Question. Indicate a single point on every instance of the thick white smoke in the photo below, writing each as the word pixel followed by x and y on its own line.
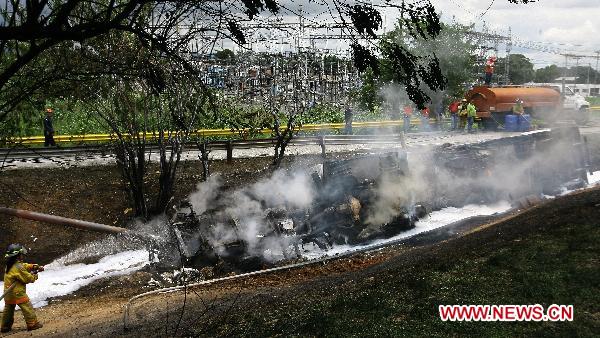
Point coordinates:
pixel 436 178
pixel 205 193
pixel 477 175
pixel 247 208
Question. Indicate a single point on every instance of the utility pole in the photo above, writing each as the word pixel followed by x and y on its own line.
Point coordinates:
pixel 576 57
pixel 576 70
pixel 588 78
pixel 562 93
pixel 508 49
pixel 596 74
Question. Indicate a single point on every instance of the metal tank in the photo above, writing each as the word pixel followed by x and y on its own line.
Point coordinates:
pixel 494 103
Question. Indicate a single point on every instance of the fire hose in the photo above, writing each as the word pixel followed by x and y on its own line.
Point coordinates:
pixel 367 248
pixel 37 216
pixel 12 286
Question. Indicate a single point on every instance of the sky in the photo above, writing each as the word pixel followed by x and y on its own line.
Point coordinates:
pixel 569 25
pixel 565 26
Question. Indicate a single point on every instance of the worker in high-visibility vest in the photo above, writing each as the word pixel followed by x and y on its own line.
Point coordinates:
pixel 407 114
pixel 471 114
pixel 16 275
pixel 517 108
pixel 462 114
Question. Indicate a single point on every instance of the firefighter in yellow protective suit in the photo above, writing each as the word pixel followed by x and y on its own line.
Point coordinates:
pixel 16 275
pixel 463 113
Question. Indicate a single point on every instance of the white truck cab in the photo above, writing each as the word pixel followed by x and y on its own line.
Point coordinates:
pixel 573 103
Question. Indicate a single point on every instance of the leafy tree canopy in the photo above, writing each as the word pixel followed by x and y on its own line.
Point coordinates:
pixel 547 74
pixel 225 54
pixel 453 58
pixel 582 74
pixel 32 31
pixel 520 68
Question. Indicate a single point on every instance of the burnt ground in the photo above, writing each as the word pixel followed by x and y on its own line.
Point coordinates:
pixel 544 255
pixel 95 194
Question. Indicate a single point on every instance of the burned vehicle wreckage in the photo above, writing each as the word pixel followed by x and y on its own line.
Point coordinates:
pixel 344 193
pixel 379 195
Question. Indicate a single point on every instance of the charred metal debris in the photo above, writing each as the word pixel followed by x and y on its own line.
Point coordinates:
pixel 348 190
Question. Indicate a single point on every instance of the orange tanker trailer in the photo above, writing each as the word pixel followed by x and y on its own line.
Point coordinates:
pixel 493 104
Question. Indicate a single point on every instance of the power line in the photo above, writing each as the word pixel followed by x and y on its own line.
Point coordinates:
pixel 487 9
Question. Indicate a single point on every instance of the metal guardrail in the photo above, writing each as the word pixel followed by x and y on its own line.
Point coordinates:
pixel 227 145
pixel 36 140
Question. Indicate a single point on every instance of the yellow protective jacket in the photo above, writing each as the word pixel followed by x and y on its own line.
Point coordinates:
pixel 19 273
pixel 462 110
pixel 471 110
pixel 518 108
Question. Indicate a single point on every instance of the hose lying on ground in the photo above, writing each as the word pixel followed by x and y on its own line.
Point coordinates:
pixel 364 249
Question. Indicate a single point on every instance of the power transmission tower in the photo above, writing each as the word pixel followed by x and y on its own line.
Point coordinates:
pixel 596 74
pixel 508 49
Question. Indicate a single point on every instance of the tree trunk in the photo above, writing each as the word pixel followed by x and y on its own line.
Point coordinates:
pixel 204 159
pixel 132 165
pixel 168 169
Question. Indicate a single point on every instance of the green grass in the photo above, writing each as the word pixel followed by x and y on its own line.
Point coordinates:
pixel 539 270
pixel 558 266
pixel 593 100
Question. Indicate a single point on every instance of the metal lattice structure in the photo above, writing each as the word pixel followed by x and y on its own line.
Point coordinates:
pixel 289 61
pixel 488 41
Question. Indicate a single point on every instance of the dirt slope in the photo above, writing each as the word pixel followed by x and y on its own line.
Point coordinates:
pixel 548 254
pixel 88 193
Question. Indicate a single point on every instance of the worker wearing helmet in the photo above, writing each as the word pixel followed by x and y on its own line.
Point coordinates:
pixel 49 129
pixel 16 275
pixel 471 114
pixel 453 109
pixel 489 70
pixel 518 107
pixel 407 114
pixel 462 114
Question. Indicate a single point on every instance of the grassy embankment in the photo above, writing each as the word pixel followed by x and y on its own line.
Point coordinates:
pixel 547 256
pixel 72 118
pixel 594 101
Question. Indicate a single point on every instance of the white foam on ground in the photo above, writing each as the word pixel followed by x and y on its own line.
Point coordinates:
pixel 439 219
pixel 536 131
pixel 59 280
pixel 593 178
pixel 434 220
